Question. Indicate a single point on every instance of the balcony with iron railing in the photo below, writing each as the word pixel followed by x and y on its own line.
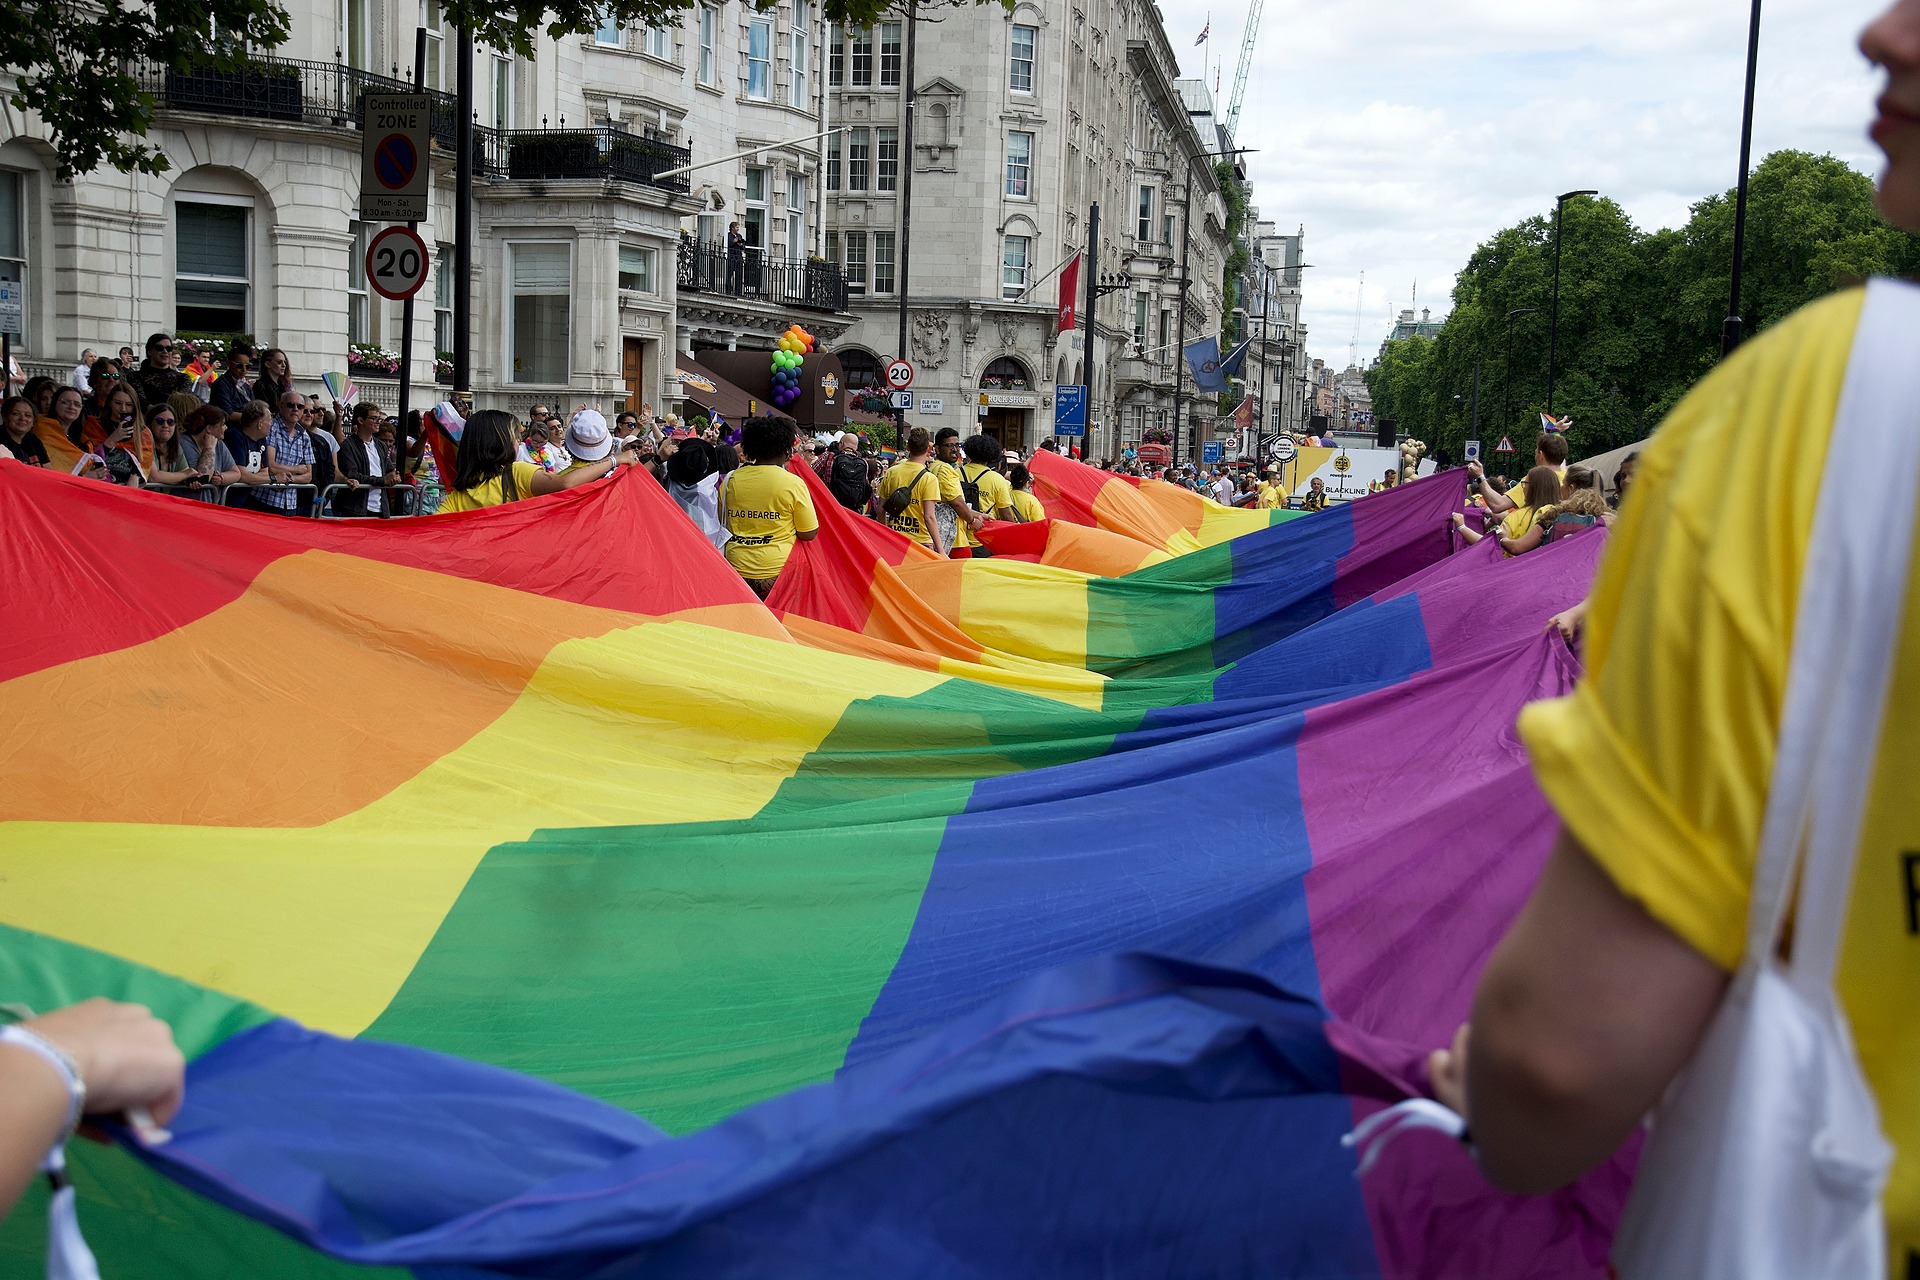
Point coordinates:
pixel 329 94
pixel 812 285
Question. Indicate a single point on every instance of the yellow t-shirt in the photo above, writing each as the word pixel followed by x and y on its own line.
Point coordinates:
pixel 1271 497
pixel 1027 505
pixel 1659 761
pixel 491 494
pixel 764 508
pixel 996 495
pixel 941 486
pixel 1515 523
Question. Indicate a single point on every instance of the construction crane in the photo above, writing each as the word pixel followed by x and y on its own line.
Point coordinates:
pixel 1246 65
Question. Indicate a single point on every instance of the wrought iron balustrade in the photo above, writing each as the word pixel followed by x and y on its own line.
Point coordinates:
pixel 812 285
pixel 294 91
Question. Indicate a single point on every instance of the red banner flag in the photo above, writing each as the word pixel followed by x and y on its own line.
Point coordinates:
pixel 1070 294
pixel 1243 416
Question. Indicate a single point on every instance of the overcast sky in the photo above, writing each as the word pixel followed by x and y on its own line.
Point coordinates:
pixel 1402 133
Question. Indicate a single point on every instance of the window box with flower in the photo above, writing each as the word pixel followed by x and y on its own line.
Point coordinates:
pixel 367 359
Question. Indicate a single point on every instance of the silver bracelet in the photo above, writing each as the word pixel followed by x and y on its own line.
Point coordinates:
pixel 60 1061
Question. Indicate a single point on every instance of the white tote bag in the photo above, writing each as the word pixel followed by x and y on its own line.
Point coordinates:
pixel 1767 1160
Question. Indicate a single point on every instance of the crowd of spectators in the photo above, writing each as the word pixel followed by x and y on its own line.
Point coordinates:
pixel 241 433
pixel 186 422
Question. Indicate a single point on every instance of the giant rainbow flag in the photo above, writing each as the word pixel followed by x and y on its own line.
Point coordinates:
pixel 532 901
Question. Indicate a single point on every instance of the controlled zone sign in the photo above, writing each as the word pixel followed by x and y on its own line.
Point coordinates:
pixel 397 263
pixel 1472 451
pixel 395 150
pixel 1070 411
pixel 899 375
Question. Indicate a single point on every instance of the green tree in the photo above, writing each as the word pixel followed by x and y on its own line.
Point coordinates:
pixel 76 65
pixel 1640 313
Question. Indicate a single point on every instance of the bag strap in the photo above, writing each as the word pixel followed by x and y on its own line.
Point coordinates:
pixel 1846 629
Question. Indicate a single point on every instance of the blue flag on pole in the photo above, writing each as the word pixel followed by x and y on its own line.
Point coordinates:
pixel 1210 369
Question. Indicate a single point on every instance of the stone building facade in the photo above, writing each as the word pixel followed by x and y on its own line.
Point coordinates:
pixel 589 269
pixel 1025 117
pixel 1277 361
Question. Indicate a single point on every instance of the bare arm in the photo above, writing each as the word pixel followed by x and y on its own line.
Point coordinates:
pixel 547 482
pixel 1536 534
pixel 1497 502
pixel 125 1056
pixel 1588 1009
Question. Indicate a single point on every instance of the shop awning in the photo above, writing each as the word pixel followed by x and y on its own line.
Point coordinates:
pixel 715 394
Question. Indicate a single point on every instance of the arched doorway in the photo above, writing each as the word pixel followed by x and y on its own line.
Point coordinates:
pixel 1011 403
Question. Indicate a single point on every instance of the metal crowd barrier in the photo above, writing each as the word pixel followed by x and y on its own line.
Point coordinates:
pixel 397 494
pixel 224 491
pixel 410 497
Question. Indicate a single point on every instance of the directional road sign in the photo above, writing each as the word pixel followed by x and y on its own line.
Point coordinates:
pixel 395 171
pixel 1212 451
pixel 899 375
pixel 1070 411
pixel 900 399
pixel 397 263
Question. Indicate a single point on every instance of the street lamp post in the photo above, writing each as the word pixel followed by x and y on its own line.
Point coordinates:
pixel 1553 334
pixel 1730 329
pixel 1506 389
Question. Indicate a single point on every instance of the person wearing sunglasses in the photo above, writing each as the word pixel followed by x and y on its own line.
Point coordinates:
pixel 170 464
pixel 107 374
pixel 159 375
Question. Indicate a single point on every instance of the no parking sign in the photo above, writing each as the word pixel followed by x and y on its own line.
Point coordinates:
pixel 394 157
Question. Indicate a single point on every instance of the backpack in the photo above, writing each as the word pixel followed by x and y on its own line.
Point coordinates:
pixel 900 499
pixel 970 489
pixel 847 481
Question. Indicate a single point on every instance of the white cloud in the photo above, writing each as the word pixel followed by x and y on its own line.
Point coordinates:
pixel 1402 133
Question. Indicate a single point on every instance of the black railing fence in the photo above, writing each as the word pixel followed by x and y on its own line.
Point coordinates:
pixel 813 285
pixel 330 93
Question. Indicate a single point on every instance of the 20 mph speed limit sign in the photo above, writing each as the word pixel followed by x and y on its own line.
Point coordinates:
pixel 397 263
pixel 899 375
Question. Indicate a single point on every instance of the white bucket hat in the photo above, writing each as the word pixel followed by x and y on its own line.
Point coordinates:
pixel 587 436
